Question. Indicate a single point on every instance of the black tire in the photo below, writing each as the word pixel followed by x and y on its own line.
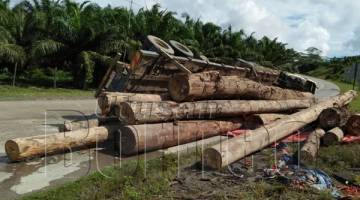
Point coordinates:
pixel 160 44
pixel 181 49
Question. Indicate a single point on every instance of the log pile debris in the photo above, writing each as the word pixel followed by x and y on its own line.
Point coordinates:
pixel 202 103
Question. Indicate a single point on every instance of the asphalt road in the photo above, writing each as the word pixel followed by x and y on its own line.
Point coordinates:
pixel 325 89
pixel 29 118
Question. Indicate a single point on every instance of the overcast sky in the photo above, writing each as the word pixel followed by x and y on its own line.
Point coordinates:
pixel 330 25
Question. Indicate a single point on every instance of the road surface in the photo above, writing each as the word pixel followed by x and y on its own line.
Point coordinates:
pixel 29 118
pixel 325 89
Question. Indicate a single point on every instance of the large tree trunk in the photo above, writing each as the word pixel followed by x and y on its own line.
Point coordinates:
pixel 107 100
pixel 210 85
pixel 14 76
pixel 152 112
pixel 234 149
pixel 29 147
pixel 353 125
pixel 309 150
pixel 332 137
pixel 333 117
pixel 149 137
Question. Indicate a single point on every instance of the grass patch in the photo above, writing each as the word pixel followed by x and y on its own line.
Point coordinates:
pixel 24 93
pixel 338 158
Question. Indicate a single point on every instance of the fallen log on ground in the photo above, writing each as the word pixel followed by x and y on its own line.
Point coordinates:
pixel 29 147
pixel 353 125
pixel 149 137
pixel 332 137
pixel 236 148
pixel 309 150
pixel 152 112
pixel 333 117
pixel 210 85
pixel 109 99
pixel 258 120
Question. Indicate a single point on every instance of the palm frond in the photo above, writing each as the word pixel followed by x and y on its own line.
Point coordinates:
pixel 46 47
pixel 12 53
pixel 5 35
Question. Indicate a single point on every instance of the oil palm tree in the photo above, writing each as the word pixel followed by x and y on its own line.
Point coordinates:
pixel 11 32
pixel 72 36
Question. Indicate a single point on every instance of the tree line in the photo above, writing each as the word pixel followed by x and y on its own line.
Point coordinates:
pixel 77 37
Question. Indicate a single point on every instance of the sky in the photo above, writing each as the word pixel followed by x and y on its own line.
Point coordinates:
pixel 329 25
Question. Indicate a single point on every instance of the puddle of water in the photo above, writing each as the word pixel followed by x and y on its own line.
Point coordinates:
pixel 4 176
pixel 44 175
pixel 33 163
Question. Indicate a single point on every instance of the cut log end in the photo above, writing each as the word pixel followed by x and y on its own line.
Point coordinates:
pixel 179 88
pixel 353 125
pixel 126 140
pixel 212 159
pixel 333 137
pixel 330 139
pixel 333 117
pixel 329 118
pixel 125 113
pixel 12 150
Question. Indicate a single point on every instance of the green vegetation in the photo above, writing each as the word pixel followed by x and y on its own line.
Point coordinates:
pixel 77 38
pixel 39 84
pixel 338 158
pixel 21 93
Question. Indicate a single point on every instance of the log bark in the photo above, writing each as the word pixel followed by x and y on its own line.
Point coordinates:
pixel 353 125
pixel 109 99
pixel 29 147
pixel 149 137
pixel 234 149
pixel 153 112
pixel 332 137
pixel 309 150
pixel 210 85
pixel 258 120
pixel 333 117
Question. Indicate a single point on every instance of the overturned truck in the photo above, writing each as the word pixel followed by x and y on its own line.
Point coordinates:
pixel 150 70
pixel 165 96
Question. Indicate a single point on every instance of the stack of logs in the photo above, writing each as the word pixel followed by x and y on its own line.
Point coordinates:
pixel 199 106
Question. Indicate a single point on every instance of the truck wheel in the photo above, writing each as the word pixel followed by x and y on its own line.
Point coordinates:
pixel 160 44
pixel 181 49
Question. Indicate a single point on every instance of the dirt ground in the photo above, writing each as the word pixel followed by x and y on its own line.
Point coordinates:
pixel 244 179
